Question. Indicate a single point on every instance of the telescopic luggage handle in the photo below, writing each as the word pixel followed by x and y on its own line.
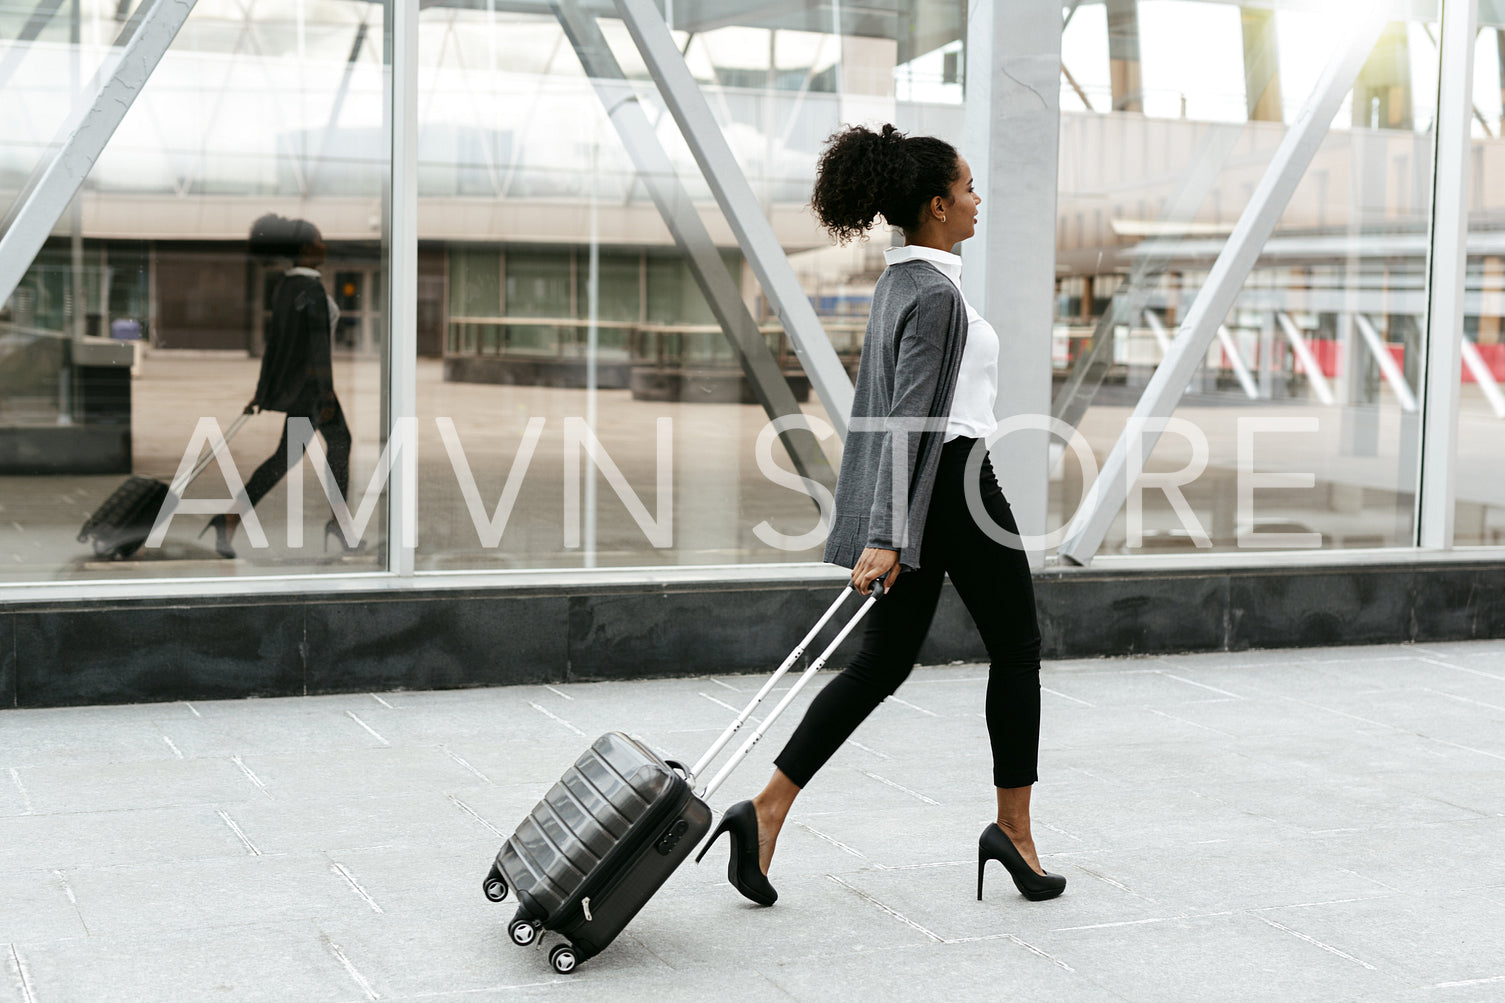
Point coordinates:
pixel 799 684
pixel 176 489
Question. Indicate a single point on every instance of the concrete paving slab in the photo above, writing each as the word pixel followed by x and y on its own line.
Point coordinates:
pixel 1319 824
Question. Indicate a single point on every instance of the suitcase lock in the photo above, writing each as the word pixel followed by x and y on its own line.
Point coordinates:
pixel 671 837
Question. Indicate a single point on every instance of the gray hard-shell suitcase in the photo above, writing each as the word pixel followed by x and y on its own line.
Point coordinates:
pixel 591 854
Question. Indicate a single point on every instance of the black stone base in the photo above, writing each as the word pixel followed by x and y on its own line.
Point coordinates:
pixel 567 373
pixel 91 652
pixel 705 386
pixel 65 449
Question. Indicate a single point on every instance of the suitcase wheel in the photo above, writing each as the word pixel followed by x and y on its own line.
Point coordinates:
pixel 562 957
pixel 523 932
pixel 495 886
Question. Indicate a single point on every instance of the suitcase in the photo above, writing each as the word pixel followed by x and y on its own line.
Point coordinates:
pixel 619 822
pixel 119 527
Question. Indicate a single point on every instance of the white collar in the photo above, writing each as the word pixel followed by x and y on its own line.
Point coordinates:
pixel 312 273
pixel 950 265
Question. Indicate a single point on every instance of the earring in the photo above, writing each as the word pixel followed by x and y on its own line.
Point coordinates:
pixel 943 219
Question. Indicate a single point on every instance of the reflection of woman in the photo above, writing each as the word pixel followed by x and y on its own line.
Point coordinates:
pixel 297 375
pixel 927 355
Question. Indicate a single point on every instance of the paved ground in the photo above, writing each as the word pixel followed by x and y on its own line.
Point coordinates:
pixel 1294 825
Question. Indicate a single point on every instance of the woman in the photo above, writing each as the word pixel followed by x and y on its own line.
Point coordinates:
pixel 926 355
pixel 297 374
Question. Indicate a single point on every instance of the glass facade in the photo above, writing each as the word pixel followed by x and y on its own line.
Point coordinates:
pixel 581 397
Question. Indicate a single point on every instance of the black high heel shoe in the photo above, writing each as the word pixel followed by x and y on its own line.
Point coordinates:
pixel 741 823
pixel 995 844
pixel 221 536
pixel 332 528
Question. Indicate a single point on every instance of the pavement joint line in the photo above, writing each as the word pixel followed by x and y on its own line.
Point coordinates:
pixel 15 777
pixel 21 973
pixel 1112 881
pixel 900 787
pixel 192 709
pixel 1063 696
pixel 175 750
pixel 1058 829
pixel 729 686
pixel 896 914
pixel 555 717
pixel 1193 682
pixel 1316 943
pixel 447 993
pixel 1465 748
pixel 250 775
pixel 1467 982
pixel 379 700
pixel 467 809
pixel 341 870
pixel 1193 724
pixel 1035 950
pixel 872 752
pixel 350 969
pixel 722 703
pixel 239 833
pixel 559 692
pixel 832 840
pixel 352 715
pixel 467 766
pixel 1454 696
pixel 1459 668
pixel 906 703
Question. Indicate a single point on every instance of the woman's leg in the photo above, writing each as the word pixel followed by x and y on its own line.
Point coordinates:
pixel 895 628
pixel 995 583
pixel 273 468
pixel 337 439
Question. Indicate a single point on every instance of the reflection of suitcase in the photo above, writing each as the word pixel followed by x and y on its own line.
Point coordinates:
pixel 121 525
pixel 612 830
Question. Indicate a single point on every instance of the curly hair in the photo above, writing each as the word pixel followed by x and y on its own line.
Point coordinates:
pixel 273 236
pixel 865 174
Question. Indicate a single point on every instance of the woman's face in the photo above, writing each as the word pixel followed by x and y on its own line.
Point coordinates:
pixel 961 213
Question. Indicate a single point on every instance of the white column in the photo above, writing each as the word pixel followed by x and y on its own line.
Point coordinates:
pixel 1445 267
pixel 1013 118
pixel 401 357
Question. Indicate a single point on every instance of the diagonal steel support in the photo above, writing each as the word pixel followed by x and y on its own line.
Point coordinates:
pixel 1388 367
pixel 114 88
pixel 1111 489
pixel 683 220
pixel 740 206
pixel 1303 352
pixel 16 51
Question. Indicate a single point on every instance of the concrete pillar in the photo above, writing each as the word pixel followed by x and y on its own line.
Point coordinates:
pixel 1123 55
pixel 1013 133
pixel 1261 65
pixel 1382 94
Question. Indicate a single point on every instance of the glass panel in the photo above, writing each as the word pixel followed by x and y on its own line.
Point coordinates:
pixel 150 317
pixel 1299 428
pixel 531 198
pixel 1479 509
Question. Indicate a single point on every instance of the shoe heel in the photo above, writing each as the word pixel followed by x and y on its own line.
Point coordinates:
pixel 715 835
pixel 982 862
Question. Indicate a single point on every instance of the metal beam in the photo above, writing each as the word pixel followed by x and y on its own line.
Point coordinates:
pixel 21 45
pixel 110 95
pixel 1303 351
pixel 657 173
pixel 399 375
pixel 740 206
pixel 1216 297
pixel 1388 366
pixel 1441 380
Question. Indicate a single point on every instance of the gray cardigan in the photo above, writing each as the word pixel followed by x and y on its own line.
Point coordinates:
pixel 911 355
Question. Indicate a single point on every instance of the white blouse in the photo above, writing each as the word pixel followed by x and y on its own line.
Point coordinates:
pixel 977 382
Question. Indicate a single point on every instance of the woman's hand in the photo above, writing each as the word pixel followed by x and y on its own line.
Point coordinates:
pixel 252 407
pixel 875 563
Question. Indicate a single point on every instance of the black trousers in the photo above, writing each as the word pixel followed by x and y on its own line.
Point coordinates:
pixel 328 421
pixel 994 582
